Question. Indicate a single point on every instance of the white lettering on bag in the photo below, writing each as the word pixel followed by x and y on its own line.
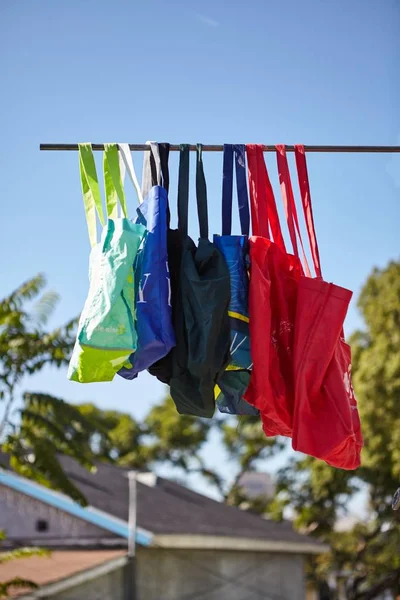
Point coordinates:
pixel 142 287
pixel 169 285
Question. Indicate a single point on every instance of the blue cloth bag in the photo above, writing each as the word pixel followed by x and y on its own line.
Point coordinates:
pixel 154 327
pixel 233 383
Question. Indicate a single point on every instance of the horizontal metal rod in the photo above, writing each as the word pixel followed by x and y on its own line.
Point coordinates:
pixel 219 148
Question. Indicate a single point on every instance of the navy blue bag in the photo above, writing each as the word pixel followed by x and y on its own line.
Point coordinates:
pixel 154 327
pixel 233 383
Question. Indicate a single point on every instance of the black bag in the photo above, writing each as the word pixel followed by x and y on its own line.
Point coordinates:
pixel 202 325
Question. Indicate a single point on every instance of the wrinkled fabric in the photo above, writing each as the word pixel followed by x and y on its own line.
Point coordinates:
pixel 202 326
pixel 326 422
pixel 235 251
pixel 106 332
pixel 153 290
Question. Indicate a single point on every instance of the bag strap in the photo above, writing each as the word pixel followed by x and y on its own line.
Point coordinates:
pixel 264 213
pixel 241 187
pixel 304 186
pixel 164 159
pixel 183 189
pixel 272 210
pixel 90 190
pixel 201 193
pixel 289 203
pixel 113 182
pixel 151 174
pixel 258 199
pixel 126 164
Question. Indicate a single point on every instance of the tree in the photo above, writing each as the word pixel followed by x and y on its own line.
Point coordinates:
pixel 166 437
pixel 46 424
pixel 368 555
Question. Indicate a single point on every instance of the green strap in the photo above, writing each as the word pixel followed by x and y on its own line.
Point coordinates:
pixel 90 190
pixel 113 181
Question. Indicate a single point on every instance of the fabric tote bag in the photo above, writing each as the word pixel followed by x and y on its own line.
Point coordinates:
pixel 234 381
pixel 154 326
pixel 326 421
pixel 202 321
pixel 106 331
pixel 159 175
pixel 274 276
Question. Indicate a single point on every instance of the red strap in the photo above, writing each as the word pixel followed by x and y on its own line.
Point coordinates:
pixel 304 186
pixel 289 203
pixel 258 197
pixel 272 210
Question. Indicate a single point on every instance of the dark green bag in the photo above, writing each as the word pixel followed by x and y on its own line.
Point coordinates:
pixel 202 325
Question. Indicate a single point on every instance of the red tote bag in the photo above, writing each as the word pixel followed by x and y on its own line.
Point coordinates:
pixel 274 277
pixel 326 423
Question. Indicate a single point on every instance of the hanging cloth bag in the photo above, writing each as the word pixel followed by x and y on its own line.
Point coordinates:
pixel 234 381
pixel 202 321
pixel 106 331
pixel 326 421
pixel 155 331
pixel 274 276
pixel 162 369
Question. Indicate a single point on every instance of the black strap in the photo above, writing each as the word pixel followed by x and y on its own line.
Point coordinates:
pixel 164 158
pixel 153 169
pixel 201 193
pixel 183 189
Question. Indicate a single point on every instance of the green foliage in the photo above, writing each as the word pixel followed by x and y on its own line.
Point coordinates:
pixel 16 583
pixel 247 445
pixel 49 426
pixel 365 558
pixel 46 425
pixel 25 347
pixel 23 553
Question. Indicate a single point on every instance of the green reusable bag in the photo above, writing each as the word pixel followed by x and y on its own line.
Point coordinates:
pixel 106 332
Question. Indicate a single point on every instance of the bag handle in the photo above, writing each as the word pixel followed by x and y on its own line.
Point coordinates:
pixel 264 213
pixel 241 187
pixel 113 182
pixel 126 164
pixel 304 186
pixel 90 190
pixel 183 189
pixel 151 174
pixel 258 199
pixel 289 203
pixel 164 159
pixel 201 193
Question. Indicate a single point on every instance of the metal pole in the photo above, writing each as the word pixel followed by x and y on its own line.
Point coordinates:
pixel 132 526
pixel 219 148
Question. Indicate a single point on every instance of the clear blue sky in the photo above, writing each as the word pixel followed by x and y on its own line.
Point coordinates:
pixel 307 72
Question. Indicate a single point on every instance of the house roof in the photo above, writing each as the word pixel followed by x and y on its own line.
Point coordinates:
pixel 59 568
pixel 171 513
pixel 170 508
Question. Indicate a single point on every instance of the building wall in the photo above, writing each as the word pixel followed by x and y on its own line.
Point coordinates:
pixel 19 515
pixel 204 575
pixel 106 587
pixel 162 574
pixel 212 575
